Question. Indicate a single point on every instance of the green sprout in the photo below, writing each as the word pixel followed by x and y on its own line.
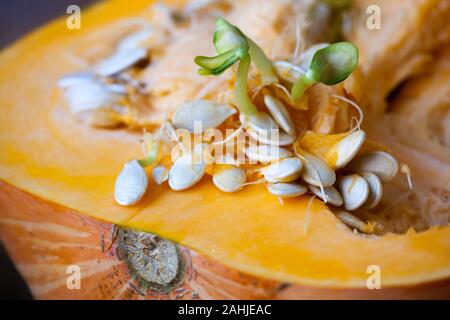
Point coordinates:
pixel 152 148
pixel 232 46
pixel 329 66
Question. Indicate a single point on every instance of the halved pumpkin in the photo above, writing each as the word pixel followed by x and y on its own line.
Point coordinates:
pixel 47 153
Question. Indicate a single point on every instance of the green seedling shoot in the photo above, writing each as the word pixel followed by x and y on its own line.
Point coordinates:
pixel 232 46
pixel 329 66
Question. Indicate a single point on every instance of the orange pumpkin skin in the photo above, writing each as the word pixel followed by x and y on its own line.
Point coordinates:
pixel 44 239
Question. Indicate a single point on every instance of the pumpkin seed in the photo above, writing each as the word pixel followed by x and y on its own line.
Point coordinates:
pixel 209 114
pixel 381 163
pixel 329 195
pixel 316 171
pixel 354 222
pixel 280 114
pixel 135 40
pixel 188 169
pixel 286 170
pixel 75 79
pixel 354 190
pixel 95 103
pixel 90 95
pixel 131 184
pixel 261 122
pixel 287 71
pixel 229 179
pixel 281 139
pixel 286 190
pixel 375 189
pixel 120 61
pixel 346 149
pixel 266 153
pixel 160 174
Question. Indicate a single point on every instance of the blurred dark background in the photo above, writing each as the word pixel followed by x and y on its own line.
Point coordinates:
pixel 17 17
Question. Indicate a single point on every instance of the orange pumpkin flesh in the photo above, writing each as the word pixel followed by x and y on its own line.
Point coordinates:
pixel 47 153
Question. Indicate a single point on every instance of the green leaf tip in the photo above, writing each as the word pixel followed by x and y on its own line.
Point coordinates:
pixel 232 45
pixel 329 65
pixel 334 63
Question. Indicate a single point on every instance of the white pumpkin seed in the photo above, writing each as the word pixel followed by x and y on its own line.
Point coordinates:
pixel 381 163
pixel 261 122
pixel 353 222
pixel 375 189
pixel 354 190
pixel 131 184
pixel 329 195
pixel 90 95
pixel 160 174
pixel 188 169
pixel 120 61
pixel 229 179
pixel 347 148
pixel 316 171
pixel 286 190
pixel 135 40
pixel 209 114
pixel 280 114
pixel 75 79
pixel 287 71
pixel 281 139
pixel 286 170
pixel 266 153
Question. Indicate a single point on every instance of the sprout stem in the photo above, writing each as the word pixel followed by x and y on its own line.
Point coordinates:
pixel 152 147
pixel 243 102
pixel 301 85
pixel 262 63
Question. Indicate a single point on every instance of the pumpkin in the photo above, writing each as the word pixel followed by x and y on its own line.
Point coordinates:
pixel 57 206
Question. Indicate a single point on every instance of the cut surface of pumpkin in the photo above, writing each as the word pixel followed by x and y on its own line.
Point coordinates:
pixel 46 152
